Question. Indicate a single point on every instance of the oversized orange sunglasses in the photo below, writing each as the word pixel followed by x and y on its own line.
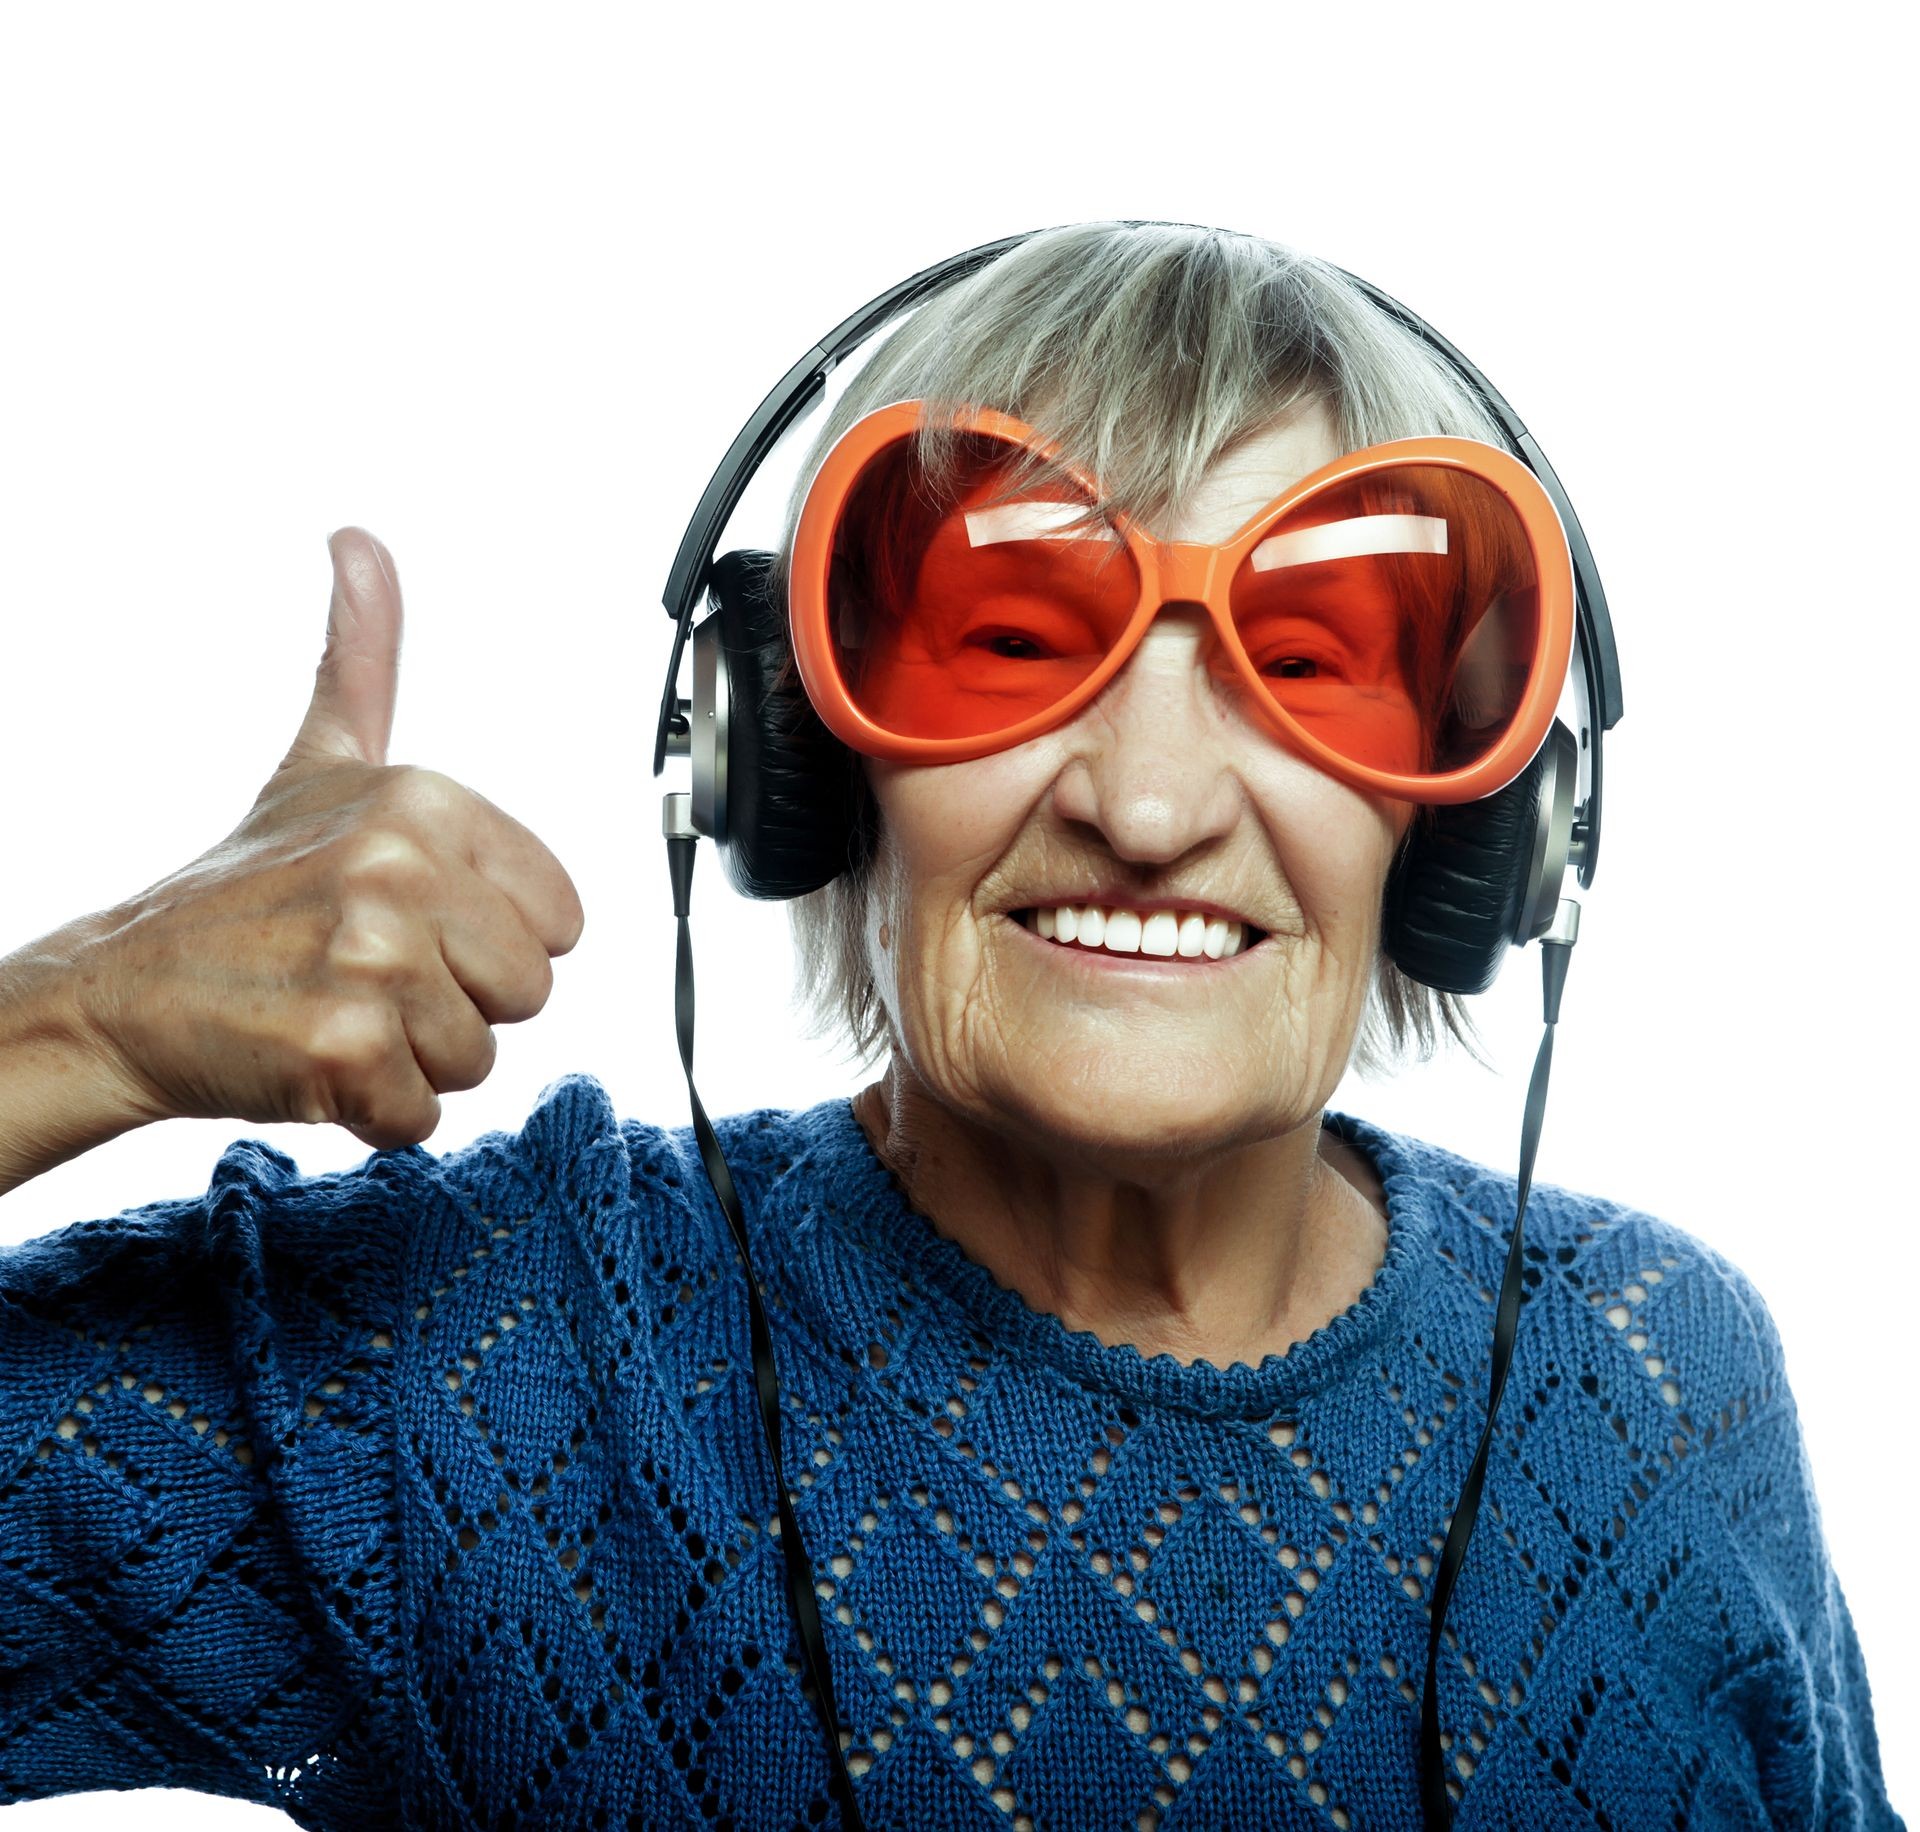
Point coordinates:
pixel 1402 617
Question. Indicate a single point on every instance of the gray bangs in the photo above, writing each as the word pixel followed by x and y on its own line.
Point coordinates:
pixel 1143 353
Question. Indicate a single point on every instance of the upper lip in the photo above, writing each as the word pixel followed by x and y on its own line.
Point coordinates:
pixel 1128 900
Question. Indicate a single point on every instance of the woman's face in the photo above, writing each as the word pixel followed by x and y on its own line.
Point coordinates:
pixel 1166 796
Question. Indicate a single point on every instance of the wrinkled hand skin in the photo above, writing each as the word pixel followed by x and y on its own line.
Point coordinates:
pixel 342 955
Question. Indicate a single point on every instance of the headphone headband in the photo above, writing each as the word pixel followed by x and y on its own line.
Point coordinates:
pixel 1596 659
pixel 777 793
pixel 786 401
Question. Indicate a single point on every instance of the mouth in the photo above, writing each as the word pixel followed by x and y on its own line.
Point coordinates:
pixel 1185 934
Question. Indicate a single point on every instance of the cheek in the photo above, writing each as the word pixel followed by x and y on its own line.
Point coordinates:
pixel 946 826
pixel 943 830
pixel 1333 846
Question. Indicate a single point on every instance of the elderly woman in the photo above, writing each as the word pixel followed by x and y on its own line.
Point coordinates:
pixel 1126 1391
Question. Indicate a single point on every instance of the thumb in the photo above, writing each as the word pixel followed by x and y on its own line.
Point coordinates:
pixel 351 713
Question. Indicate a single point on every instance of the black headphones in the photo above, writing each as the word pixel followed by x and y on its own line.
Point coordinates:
pixel 787 805
pixel 784 800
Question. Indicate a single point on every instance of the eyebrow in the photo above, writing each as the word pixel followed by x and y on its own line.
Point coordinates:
pixel 1033 521
pixel 1349 539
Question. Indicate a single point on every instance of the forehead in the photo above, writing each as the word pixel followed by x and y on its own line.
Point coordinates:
pixel 1253 472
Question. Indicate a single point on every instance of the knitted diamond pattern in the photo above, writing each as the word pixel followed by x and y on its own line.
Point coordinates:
pixel 431 1495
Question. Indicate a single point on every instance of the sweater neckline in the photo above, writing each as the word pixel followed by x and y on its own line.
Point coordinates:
pixel 887 1223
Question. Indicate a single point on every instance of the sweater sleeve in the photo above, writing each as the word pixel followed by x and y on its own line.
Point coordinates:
pixel 1795 1679
pixel 196 1510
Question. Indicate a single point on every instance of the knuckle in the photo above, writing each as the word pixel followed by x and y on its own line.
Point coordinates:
pixel 384 858
pixel 350 1039
pixel 516 980
pixel 471 1063
pixel 370 941
pixel 413 1121
pixel 535 984
pixel 428 796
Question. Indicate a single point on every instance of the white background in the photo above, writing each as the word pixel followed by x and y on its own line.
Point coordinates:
pixel 502 291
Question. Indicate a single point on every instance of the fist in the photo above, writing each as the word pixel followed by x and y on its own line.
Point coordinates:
pixel 344 953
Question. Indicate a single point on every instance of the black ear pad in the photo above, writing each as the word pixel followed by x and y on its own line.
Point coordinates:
pixel 796 799
pixel 798 812
pixel 1456 892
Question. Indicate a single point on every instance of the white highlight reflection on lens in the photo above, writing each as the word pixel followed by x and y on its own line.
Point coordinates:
pixel 1032 521
pixel 1349 539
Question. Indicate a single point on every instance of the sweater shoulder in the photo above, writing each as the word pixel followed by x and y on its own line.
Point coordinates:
pixel 1572 1225
pixel 1635 1294
pixel 581 1197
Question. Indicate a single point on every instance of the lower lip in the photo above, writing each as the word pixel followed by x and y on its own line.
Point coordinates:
pixel 1145 966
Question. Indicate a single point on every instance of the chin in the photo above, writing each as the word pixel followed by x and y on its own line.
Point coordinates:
pixel 1112 1105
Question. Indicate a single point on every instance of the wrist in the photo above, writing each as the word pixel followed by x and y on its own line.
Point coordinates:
pixel 63 1089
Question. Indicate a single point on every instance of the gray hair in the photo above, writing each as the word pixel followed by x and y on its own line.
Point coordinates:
pixel 1144 351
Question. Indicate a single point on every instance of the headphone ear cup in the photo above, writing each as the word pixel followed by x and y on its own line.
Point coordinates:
pixel 794 794
pixel 1465 876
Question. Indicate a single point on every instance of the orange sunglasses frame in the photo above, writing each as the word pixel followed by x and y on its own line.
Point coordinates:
pixel 1186 572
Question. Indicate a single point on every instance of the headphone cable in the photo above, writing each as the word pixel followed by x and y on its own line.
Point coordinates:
pixel 1556 949
pixel 682 837
pixel 1436 1806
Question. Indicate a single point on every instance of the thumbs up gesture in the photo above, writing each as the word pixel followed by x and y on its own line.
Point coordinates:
pixel 344 953
pixel 351 714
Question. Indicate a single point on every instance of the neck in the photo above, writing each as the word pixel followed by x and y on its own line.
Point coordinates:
pixel 1230 1257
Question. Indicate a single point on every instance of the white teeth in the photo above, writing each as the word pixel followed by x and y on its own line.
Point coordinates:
pixel 1160 934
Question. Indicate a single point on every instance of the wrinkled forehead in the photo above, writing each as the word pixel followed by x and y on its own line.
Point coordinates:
pixel 1042 505
pixel 1161 478
pixel 1252 473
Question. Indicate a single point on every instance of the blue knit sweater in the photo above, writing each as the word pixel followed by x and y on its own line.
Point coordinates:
pixel 430 1494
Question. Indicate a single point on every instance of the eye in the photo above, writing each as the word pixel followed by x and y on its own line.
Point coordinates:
pixel 1293 668
pixel 1013 645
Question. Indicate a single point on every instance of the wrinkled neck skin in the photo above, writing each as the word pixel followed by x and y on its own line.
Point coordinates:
pixel 1228 1258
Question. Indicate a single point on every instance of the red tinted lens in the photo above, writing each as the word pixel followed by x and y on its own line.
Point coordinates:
pixel 1395 616
pixel 970 592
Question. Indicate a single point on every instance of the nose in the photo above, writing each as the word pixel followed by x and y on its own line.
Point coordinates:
pixel 1154 763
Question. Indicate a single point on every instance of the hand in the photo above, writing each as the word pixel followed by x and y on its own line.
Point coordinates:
pixel 343 954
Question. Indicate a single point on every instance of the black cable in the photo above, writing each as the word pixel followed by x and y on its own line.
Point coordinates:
pixel 1435 1805
pixel 800 1594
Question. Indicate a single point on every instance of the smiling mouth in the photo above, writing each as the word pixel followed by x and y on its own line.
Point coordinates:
pixel 1191 935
